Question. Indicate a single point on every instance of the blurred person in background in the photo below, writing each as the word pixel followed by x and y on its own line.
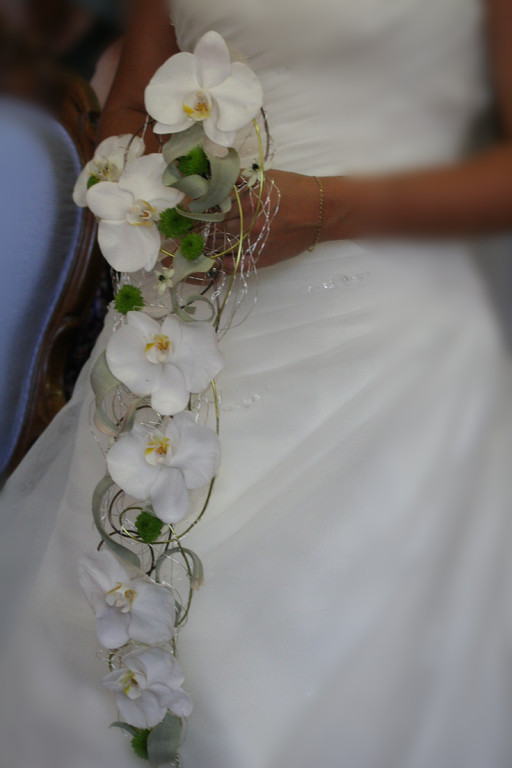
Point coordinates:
pixel 41 40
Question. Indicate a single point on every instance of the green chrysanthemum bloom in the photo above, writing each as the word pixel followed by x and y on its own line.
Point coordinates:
pixel 140 743
pixel 92 180
pixel 195 162
pixel 129 297
pixel 192 246
pixel 172 224
pixel 148 527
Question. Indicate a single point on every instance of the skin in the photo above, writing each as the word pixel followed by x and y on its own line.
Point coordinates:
pixel 472 197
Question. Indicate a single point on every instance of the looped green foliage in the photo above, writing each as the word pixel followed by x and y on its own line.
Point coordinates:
pixel 99 494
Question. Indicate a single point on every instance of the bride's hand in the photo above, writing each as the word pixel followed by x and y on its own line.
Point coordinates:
pixel 294 226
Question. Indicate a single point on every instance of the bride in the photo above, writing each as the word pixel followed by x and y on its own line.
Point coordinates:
pixel 357 605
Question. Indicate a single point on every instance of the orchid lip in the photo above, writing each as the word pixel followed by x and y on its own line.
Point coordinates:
pixel 157 449
pixel 200 109
pixel 121 597
pixel 142 214
pixel 159 349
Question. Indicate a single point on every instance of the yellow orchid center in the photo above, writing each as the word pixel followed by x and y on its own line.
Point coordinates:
pixel 157 448
pixel 159 348
pixel 199 109
pixel 142 214
pixel 131 685
pixel 104 169
pixel 121 597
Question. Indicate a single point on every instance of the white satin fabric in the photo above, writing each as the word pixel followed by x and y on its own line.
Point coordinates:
pixel 357 605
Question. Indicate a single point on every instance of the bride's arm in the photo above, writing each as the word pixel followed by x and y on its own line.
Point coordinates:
pixel 148 42
pixel 469 198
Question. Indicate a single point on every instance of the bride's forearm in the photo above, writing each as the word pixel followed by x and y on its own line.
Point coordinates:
pixel 471 198
pixel 149 40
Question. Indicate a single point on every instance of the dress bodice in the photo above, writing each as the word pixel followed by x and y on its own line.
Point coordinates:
pixel 356 86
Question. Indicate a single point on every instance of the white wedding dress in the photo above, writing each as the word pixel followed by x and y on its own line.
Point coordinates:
pixel 357 606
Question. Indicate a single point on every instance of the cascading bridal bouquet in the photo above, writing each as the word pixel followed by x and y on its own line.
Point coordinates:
pixel 180 276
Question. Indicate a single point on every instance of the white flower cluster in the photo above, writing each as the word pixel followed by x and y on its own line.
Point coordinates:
pixel 124 189
pixel 163 362
pixel 132 607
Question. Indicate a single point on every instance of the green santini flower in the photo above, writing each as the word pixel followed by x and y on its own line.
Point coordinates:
pixel 192 246
pixel 148 527
pixel 129 297
pixel 195 162
pixel 172 224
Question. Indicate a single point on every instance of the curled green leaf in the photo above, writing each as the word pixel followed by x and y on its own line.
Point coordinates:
pixel 183 142
pixel 164 741
pixel 99 494
pixel 224 172
pixel 193 186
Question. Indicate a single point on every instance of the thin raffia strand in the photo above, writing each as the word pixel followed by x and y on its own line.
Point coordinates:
pixel 248 267
pixel 237 260
pixel 183 619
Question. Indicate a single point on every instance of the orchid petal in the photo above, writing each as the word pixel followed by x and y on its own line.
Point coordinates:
pixel 143 179
pixel 98 572
pixel 169 86
pixel 152 615
pixel 112 627
pixel 127 247
pixel 217 150
pixel 161 668
pixel 213 61
pixel 172 328
pixel 144 712
pixel 178 702
pixel 126 358
pixel 198 454
pixel 128 467
pixel 108 202
pixel 144 324
pixel 171 396
pixel 80 188
pixel 219 138
pixel 169 496
pixel 238 98
pixel 133 146
pixel 181 125
pixel 198 356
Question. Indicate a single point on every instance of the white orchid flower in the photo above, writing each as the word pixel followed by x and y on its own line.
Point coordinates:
pixel 204 86
pixel 167 361
pixel 147 684
pixel 129 210
pixel 161 465
pixel 125 607
pixel 108 163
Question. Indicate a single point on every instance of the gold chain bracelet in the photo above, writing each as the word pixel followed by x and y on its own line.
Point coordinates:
pixel 320 215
